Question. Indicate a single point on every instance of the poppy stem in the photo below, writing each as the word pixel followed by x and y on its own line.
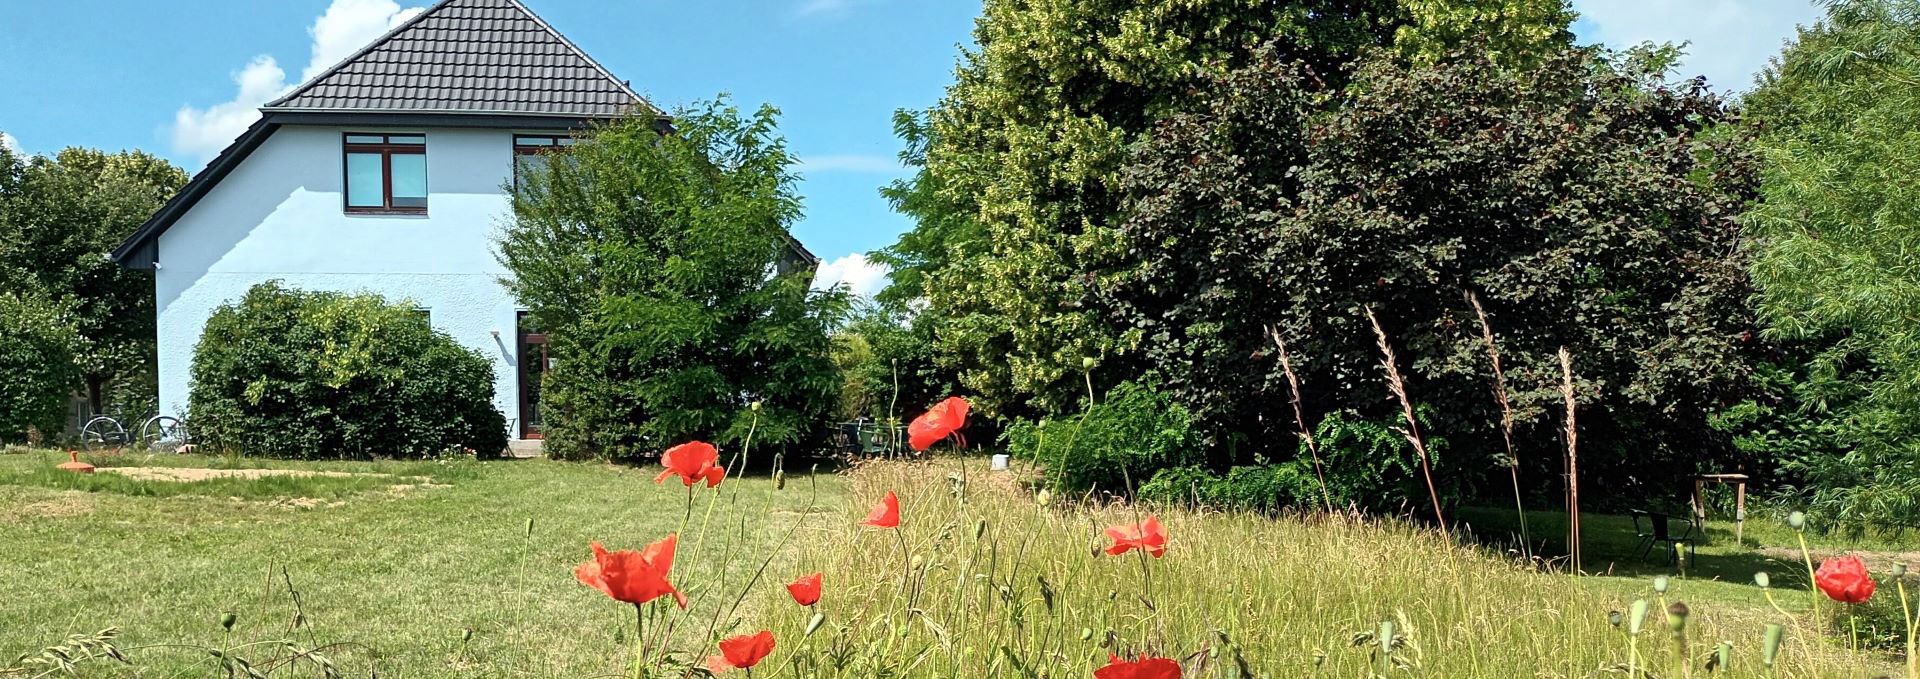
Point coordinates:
pixel 1813 589
pixel 639 640
pixel 1913 663
pixel 906 561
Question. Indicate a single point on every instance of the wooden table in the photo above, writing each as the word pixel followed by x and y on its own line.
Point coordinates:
pixel 1739 483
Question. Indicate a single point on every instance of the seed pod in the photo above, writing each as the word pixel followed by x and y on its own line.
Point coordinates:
pixel 1798 520
pixel 227 619
pixel 814 624
pixel 756 406
pixel 1677 616
pixel 1087 363
pixel 1723 656
pixel 466 635
pixel 1615 618
pixel 1899 571
pixel 1636 616
pixel 1660 584
pixel 1762 579
pixel 1771 650
pixel 1044 497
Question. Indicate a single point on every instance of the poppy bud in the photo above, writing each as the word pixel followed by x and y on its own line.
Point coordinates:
pixel 1660 584
pixel 1044 497
pixel 1723 656
pixel 1899 571
pixel 1087 363
pixel 529 527
pixel 1762 579
pixel 1677 616
pixel 814 624
pixel 780 480
pixel 1636 616
pixel 1770 651
pixel 1086 633
pixel 466 635
pixel 227 619
pixel 979 528
pixel 1798 520
pixel 756 406
pixel 1615 618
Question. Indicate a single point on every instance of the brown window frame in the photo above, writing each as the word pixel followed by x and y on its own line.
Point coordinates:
pixel 387 150
pixel 556 143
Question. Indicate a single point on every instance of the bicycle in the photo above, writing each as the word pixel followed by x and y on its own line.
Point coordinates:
pixel 156 433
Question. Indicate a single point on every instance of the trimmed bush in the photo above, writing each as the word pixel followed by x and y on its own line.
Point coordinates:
pixel 288 373
pixel 37 371
pixel 1137 431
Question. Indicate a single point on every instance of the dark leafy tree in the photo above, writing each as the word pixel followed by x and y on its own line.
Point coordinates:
pixel 659 263
pixel 36 344
pixel 1586 201
pixel 59 217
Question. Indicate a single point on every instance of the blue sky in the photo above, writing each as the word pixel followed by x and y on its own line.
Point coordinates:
pixel 181 78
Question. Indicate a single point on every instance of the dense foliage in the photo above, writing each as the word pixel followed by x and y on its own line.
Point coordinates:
pixel 36 345
pixel 288 373
pixel 887 366
pixel 1367 464
pixel 1112 446
pixel 1587 203
pixel 659 263
pixel 60 216
pixel 1835 263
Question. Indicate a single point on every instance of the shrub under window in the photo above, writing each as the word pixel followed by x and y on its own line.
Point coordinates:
pixel 288 373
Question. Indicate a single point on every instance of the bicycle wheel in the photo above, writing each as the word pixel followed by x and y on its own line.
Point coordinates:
pixel 103 432
pixel 163 433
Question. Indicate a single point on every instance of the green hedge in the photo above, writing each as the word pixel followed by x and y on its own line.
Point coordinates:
pixel 37 371
pixel 287 373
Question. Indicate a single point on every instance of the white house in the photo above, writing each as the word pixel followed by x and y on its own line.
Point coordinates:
pixel 386 174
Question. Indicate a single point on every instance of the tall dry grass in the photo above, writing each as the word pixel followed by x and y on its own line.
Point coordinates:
pixel 996 585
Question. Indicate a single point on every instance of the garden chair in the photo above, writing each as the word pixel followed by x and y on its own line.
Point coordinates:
pixel 1652 529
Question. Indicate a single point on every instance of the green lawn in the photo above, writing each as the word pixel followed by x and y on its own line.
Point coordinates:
pixel 397 567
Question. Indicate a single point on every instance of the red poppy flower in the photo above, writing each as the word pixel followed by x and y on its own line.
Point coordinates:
pixel 1143 668
pixel 1147 536
pixel 692 462
pixel 630 576
pixel 940 421
pixel 806 590
pixel 741 652
pixel 1845 579
pixel 886 514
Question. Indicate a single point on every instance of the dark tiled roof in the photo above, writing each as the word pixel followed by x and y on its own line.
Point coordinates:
pixel 467 56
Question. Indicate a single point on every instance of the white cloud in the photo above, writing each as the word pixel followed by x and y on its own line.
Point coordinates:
pixel 851 163
pixel 10 142
pixel 1729 41
pixel 346 26
pixel 861 276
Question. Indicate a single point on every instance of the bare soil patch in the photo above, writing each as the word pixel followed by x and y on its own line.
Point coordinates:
pixel 191 474
pixel 1876 560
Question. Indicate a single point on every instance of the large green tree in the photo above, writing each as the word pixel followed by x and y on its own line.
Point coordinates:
pixel 1588 203
pixel 1016 195
pixel 658 260
pixel 1835 266
pixel 60 216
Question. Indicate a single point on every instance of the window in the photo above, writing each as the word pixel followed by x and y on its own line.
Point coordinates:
pixel 386 173
pixel 532 151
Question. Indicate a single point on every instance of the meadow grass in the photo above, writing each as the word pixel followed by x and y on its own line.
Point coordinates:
pixel 395 569
pixel 989 583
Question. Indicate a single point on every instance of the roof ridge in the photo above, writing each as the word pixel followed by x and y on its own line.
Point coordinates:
pixel 364 49
pixel 595 63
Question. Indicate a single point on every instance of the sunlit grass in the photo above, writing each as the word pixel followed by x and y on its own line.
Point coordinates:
pixel 1027 595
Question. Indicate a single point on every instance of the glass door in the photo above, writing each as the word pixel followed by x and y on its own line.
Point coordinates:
pixel 534 362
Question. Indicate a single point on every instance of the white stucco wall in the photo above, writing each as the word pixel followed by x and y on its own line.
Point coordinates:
pixel 278 215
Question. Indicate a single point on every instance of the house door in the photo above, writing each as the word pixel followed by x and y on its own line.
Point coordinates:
pixel 534 362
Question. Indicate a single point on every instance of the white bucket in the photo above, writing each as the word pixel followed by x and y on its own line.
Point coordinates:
pixel 1000 462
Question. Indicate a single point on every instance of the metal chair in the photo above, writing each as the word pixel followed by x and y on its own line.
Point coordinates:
pixel 1654 528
